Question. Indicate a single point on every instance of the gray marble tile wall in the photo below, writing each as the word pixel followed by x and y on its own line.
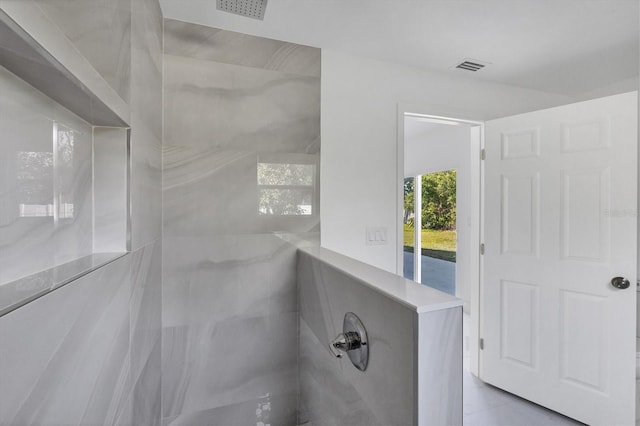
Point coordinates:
pixel 110 203
pixel 440 367
pixel 146 125
pixel 101 30
pixel 229 324
pixel 146 210
pixel 90 352
pixel 333 391
pixel 122 39
pixel 145 350
pixel 64 358
pixel 414 375
pixel 46 182
pixel 240 164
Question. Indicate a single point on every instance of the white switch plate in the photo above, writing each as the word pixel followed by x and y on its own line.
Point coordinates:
pixel 376 236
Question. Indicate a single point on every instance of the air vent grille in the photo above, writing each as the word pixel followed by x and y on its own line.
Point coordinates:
pixel 249 8
pixel 470 66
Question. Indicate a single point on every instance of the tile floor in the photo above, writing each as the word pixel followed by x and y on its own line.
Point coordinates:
pixel 485 405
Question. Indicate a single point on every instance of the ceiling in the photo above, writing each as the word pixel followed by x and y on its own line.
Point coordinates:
pixel 567 47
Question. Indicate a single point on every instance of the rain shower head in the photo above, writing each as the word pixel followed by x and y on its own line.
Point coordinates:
pixel 249 8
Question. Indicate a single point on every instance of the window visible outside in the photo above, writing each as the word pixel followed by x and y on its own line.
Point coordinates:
pixel 437 224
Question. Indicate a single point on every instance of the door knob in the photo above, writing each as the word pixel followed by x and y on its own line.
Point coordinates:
pixel 620 283
pixel 353 341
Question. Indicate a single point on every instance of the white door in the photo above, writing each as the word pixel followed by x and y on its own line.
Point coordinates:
pixel 560 223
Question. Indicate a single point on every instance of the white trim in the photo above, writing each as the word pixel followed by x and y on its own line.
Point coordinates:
pixel 417 229
pixel 400 191
pixel 477 229
pixel 477 195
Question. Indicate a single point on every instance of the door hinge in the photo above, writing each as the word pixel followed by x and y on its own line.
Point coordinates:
pixel 483 154
pixel 481 344
pixel 482 248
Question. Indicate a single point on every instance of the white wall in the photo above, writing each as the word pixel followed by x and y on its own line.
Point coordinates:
pixel 360 98
pixel 432 148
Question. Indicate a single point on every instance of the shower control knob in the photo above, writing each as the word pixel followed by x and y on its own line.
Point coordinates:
pixel 353 341
pixel 620 283
pixel 346 341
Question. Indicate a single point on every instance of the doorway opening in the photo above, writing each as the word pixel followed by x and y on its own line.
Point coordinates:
pixel 432 147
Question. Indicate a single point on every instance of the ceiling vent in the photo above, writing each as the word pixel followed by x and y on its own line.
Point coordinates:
pixel 471 65
pixel 249 8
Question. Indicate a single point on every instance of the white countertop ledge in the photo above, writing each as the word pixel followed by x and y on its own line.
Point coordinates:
pixel 417 297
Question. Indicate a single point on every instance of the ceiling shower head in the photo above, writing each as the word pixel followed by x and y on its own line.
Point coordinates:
pixel 249 8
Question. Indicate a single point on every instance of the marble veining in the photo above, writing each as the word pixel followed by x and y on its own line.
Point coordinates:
pixel 64 358
pixel 146 122
pixel 110 218
pixel 45 193
pixel 213 141
pixel 212 44
pixel 208 279
pixel 248 108
pixel 230 315
pixel 93 350
pixel 268 409
pixel 327 396
pixel 17 293
pixel 146 212
pixel 229 321
pixel 88 353
pixel 229 361
pixel 414 374
pixel 35 62
pixel 101 31
pixel 440 367
pixel 382 395
pixel 146 334
pixel 416 297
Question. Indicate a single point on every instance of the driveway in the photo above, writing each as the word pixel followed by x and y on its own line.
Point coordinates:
pixel 436 273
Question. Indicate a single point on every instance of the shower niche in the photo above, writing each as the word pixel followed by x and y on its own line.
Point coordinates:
pixel 64 156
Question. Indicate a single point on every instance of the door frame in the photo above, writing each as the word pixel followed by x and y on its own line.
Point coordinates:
pixel 477 199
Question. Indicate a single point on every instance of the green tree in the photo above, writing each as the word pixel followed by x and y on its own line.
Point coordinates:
pixel 409 198
pixel 439 200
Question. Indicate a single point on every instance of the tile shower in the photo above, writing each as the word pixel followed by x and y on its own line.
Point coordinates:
pixel 220 308
pixel 88 352
pixel 234 104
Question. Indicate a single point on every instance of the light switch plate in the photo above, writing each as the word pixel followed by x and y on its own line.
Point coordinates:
pixel 376 236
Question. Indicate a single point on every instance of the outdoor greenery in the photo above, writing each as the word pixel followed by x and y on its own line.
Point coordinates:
pixel 432 238
pixel 438 214
pixel 438 200
pixel 440 244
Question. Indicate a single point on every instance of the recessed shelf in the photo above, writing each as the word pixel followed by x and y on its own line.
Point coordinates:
pixel 65 157
pixel 27 58
pixel 24 290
